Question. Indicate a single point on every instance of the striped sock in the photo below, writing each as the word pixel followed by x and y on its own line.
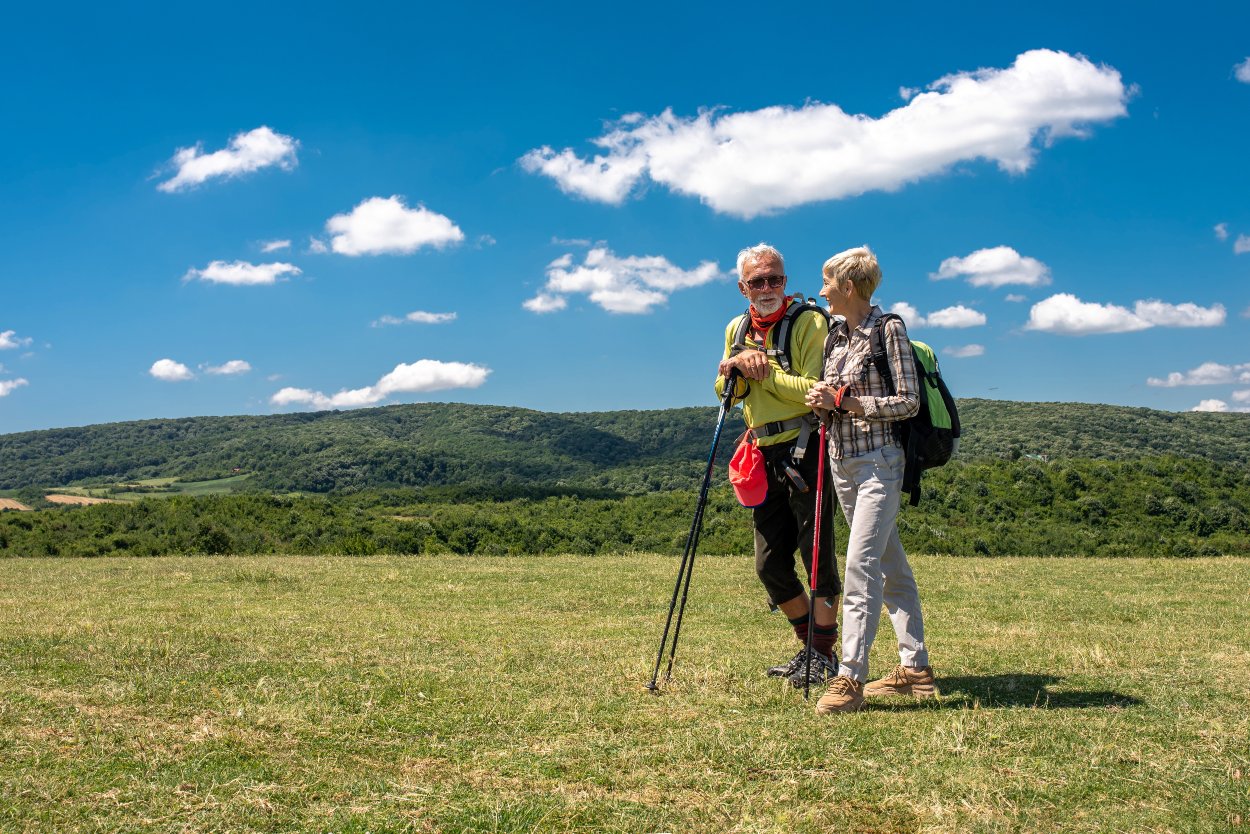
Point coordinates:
pixel 800 628
pixel 823 638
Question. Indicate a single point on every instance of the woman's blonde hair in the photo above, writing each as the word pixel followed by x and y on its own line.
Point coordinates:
pixel 859 266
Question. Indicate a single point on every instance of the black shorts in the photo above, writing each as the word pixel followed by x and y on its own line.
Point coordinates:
pixel 784 523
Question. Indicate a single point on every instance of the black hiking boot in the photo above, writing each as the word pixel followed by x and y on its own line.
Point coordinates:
pixel 788 668
pixel 823 668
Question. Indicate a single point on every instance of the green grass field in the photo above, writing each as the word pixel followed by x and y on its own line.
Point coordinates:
pixel 507 694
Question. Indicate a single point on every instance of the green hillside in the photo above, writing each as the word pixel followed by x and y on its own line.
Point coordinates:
pixel 635 452
pixel 1031 479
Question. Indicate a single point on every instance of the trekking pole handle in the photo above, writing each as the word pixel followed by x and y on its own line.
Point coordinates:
pixel 731 385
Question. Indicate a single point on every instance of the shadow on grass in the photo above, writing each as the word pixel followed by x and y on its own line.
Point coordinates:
pixel 989 691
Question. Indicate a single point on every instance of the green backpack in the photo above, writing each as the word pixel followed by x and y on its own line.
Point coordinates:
pixel 931 437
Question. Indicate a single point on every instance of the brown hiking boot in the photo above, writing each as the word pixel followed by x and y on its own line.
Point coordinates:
pixel 844 695
pixel 904 680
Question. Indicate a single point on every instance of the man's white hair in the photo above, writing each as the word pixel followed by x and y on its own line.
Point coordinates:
pixel 759 252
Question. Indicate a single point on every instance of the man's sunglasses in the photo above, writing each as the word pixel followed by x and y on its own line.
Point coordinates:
pixel 772 281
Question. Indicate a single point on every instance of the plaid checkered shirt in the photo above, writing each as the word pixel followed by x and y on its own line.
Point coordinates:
pixel 850 362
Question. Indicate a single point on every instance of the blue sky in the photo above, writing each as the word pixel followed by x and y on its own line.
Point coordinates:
pixel 264 208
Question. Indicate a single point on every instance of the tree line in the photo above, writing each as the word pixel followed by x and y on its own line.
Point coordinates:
pixel 1155 506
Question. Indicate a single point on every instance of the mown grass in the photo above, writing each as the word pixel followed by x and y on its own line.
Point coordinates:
pixel 506 694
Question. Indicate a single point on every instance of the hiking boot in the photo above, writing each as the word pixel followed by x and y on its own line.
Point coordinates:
pixel 904 680
pixel 822 669
pixel 844 695
pixel 788 668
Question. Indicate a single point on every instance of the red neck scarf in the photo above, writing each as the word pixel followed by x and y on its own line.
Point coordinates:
pixel 761 324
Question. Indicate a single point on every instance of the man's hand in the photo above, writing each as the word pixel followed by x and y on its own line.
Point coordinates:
pixel 752 364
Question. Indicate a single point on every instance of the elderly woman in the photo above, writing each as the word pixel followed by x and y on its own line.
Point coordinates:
pixel 867 467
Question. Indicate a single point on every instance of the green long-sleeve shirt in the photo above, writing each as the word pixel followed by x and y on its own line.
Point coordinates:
pixel 780 395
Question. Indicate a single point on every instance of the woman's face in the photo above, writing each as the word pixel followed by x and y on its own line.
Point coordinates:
pixel 838 298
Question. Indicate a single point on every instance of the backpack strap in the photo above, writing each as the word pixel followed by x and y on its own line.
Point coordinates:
pixel 911 469
pixel 785 333
pixel 879 356
pixel 739 342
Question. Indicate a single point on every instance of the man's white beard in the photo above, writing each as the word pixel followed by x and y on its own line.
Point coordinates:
pixel 765 306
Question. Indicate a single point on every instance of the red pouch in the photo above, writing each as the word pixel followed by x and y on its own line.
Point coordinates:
pixel 746 473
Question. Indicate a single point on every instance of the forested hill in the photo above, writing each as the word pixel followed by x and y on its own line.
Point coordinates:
pixel 623 451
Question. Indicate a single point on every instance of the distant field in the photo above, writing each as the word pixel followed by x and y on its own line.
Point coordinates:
pixel 506 694
pixel 74 500
pixel 152 488
pixel 11 504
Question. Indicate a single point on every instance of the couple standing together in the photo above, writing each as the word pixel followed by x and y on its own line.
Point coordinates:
pixel 830 377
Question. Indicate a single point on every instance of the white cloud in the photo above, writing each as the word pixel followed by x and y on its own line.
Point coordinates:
pixel 1242 396
pixel 1015 297
pixel 1211 405
pixel 1160 313
pixel 8 386
pixel 485 240
pixel 275 245
pixel 570 241
pixel 911 316
pixel 420 376
pixel 1241 245
pixel 545 303
pixel 1066 314
pixel 384 225
pixel 957 316
pixel 1221 231
pixel 965 352
pixel 241 273
pixel 1242 71
pixel 995 267
pixel 167 370
pixel 1208 373
pixel 9 340
pixel 317 246
pixel 619 285
pixel 247 152
pixel 762 161
pixel 416 316
pixel 231 368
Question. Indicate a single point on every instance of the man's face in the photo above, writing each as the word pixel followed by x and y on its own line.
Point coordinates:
pixel 756 282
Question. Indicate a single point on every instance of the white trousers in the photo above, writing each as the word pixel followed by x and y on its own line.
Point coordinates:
pixel 870 488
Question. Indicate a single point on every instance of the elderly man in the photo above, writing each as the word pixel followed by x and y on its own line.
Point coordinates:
pixel 781 423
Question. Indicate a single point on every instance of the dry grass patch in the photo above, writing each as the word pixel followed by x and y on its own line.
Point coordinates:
pixel 78 500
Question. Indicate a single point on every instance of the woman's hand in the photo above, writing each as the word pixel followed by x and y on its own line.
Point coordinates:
pixel 821 395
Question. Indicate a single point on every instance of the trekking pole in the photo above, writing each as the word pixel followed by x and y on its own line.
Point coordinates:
pixel 811 607
pixel 686 569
